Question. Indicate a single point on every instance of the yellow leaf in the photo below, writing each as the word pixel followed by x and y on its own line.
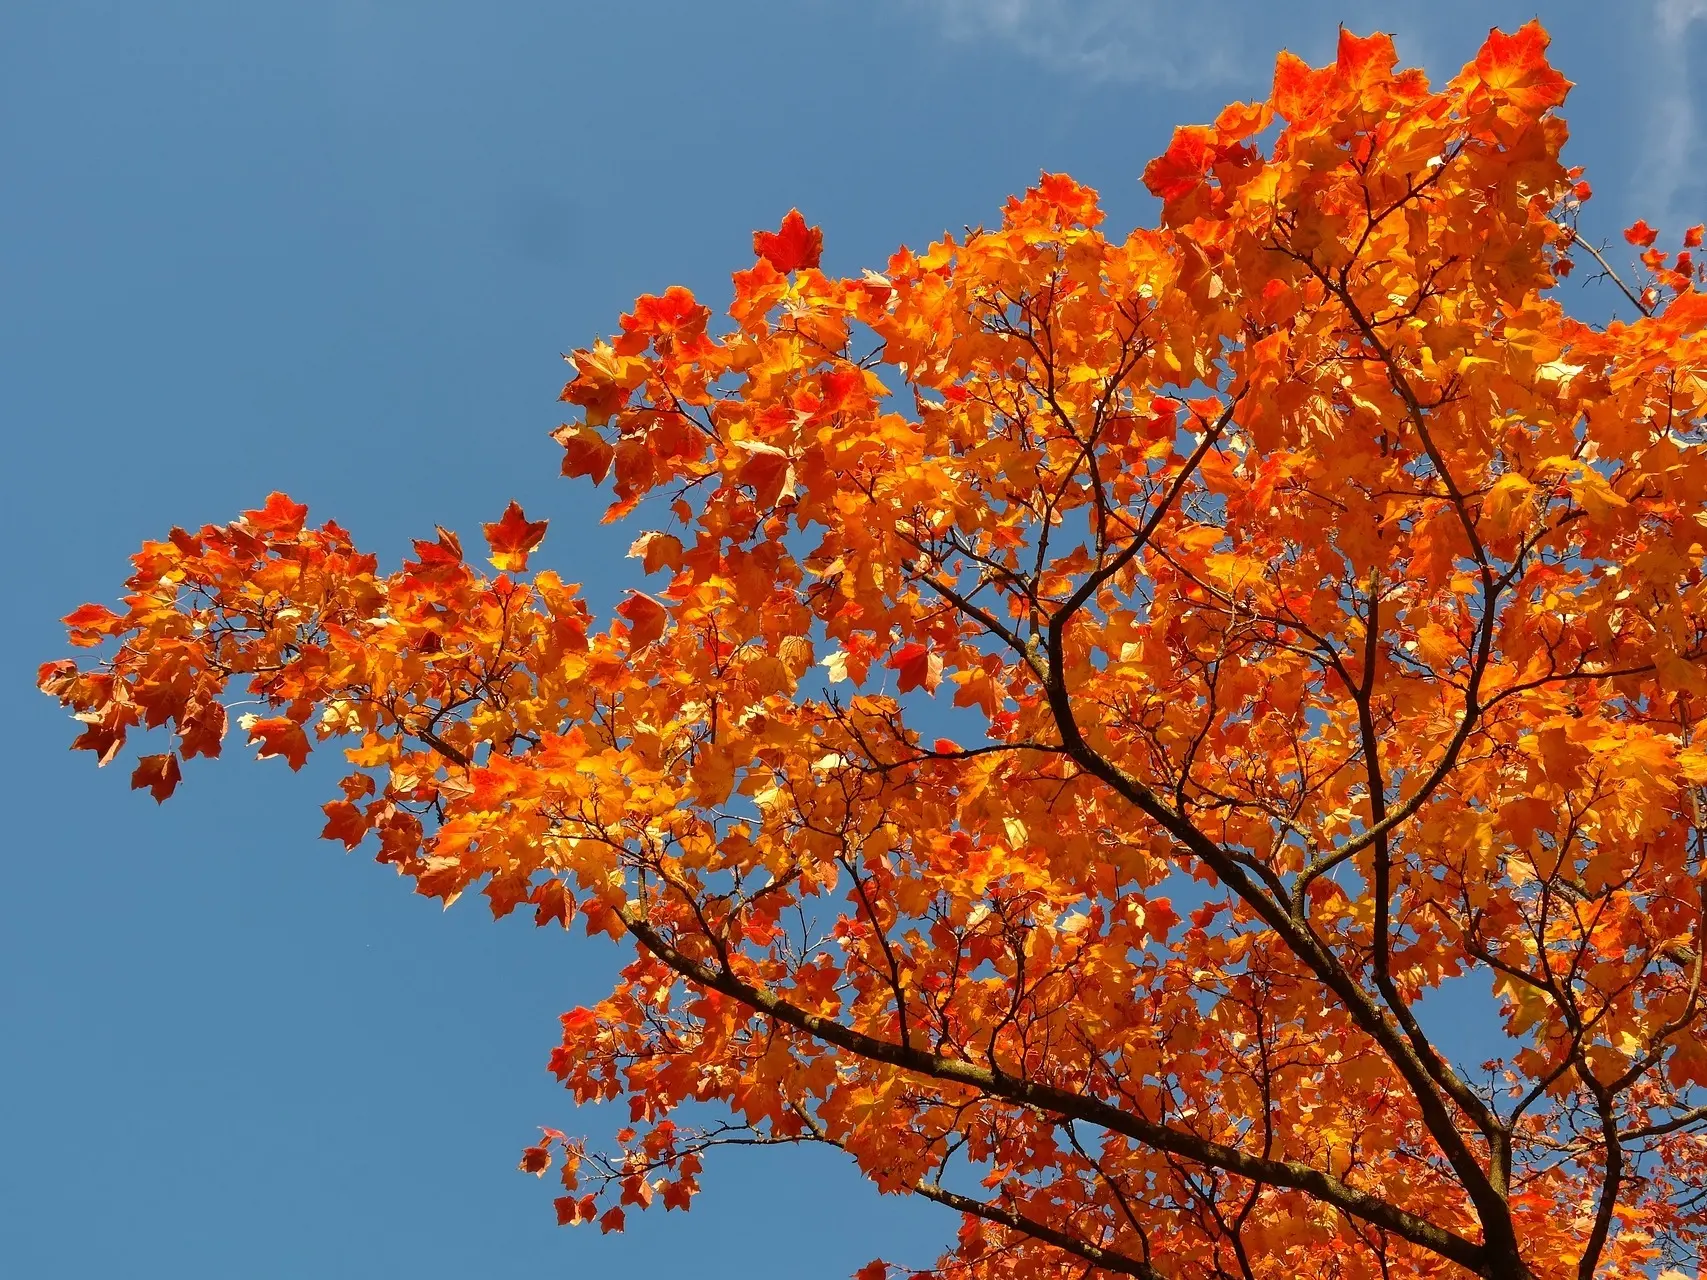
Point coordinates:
pixel 1507 508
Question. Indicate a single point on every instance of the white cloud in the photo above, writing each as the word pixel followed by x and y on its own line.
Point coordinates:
pixel 1184 44
pixel 1673 157
pixel 1162 43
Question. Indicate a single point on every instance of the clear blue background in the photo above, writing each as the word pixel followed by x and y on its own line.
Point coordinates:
pixel 337 248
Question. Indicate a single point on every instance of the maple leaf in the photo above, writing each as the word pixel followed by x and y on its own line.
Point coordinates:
pixel 917 667
pixel 91 624
pixel 159 773
pixel 657 551
pixel 673 314
pixel 792 246
pixel 573 1209
pixel 201 728
pixel 1516 66
pixel 277 736
pixel 1640 233
pixel 1505 500
pixel 536 1160
pixel 443 553
pixel 585 452
pixel 280 517
pixel 512 538
pixel 646 618
pixel 551 902
pixel 796 654
pixel 677 1195
pixel 1298 87
pixel 1366 61
pixel 345 823
pixel 1182 167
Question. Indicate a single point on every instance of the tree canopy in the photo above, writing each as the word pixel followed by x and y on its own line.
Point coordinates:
pixel 1090 694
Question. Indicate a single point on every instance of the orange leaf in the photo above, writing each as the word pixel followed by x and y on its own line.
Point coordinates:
pixel 673 313
pixel 91 623
pixel 280 517
pixel 512 538
pixel 57 677
pixel 573 1209
pixel 645 619
pixel 536 1160
pixel 551 902
pixel 278 736
pixel 444 553
pixel 1240 120
pixel 657 551
pixel 201 728
pixel 585 452
pixel 793 246
pixel 678 1194
pixel 1366 60
pixel 158 773
pixel 1640 233
pixel 918 668
pixel 1297 86
pixel 1516 66
pixel 1183 166
pixel 344 822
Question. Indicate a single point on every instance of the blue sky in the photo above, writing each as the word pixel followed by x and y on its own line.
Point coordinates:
pixel 337 247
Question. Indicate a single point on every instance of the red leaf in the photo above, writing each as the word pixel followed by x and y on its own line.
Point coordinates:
pixel 1640 233
pixel 201 728
pixel 106 740
pixel 573 1209
pixel 158 773
pixel 447 551
pixel 585 452
pixel 918 668
pixel 792 246
pixel 91 623
pixel 280 737
pixel 1297 86
pixel 536 1160
pixel 1239 120
pixel 512 538
pixel 667 315
pixel 678 1195
pixel 551 902
pixel 1692 237
pixel 1516 66
pixel 612 1221
pixel 280 517
pixel 1365 61
pixel 55 678
pixel 657 551
pixel 1180 168
pixel 344 822
pixel 645 619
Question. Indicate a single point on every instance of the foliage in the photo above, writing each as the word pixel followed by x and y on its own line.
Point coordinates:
pixel 1300 561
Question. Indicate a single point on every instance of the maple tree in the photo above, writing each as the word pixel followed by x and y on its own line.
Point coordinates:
pixel 1299 560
